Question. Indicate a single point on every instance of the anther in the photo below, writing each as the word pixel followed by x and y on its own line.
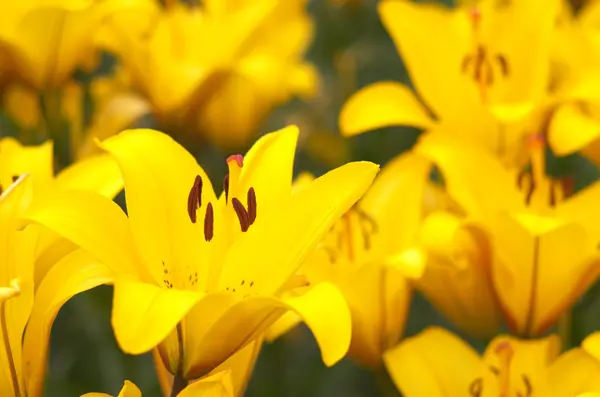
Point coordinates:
pixel 503 63
pixel 195 198
pixel 1 190
pixel 528 387
pixel 251 206
pixel 14 178
pixel 476 387
pixel 226 187
pixel 209 222
pixel 241 213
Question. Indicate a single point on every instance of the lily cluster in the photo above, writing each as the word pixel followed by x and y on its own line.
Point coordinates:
pixel 204 273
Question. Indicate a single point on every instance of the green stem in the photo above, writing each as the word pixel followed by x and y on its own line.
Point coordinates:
pixel 384 383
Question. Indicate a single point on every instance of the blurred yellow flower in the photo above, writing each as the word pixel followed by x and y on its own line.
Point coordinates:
pixel 185 280
pixel 219 88
pixel 43 41
pixel 370 255
pixel 436 363
pixel 475 74
pixel 544 238
pixel 218 385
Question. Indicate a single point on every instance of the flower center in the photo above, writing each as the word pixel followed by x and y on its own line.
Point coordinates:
pixel 353 235
pixel 533 181
pixel 505 353
pixel 482 64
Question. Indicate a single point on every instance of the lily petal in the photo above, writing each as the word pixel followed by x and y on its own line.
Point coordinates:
pixel 99 174
pixel 322 308
pixel 128 390
pixel 574 372
pixel 240 366
pixel 76 273
pixel 158 175
pixel 91 221
pixel 571 130
pixel 293 229
pixel 383 104
pixel 441 85
pixel 17 159
pixel 144 314
pixel 591 344
pixel 218 385
pixel 581 208
pixel 420 366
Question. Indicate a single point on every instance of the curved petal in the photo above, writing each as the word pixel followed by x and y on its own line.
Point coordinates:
pixel 128 390
pixel 17 159
pixel 91 221
pixel 542 267
pixel 322 308
pixel 48 256
pixel 581 208
pixel 591 344
pixel 218 385
pixel 574 372
pixel 158 175
pixel 143 314
pixel 571 129
pixel 443 88
pixel 241 366
pixel 383 104
pixel 425 365
pixel 480 190
pixel 76 273
pixel 99 174
pixel 271 251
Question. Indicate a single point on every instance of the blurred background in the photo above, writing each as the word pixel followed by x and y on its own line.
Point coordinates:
pixel 350 49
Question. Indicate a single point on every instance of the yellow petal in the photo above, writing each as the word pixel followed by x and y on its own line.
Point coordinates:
pixel 322 308
pixel 157 188
pixel 97 174
pixel 480 190
pixel 441 85
pixel 285 324
pixel 574 372
pixel 241 366
pixel 581 209
pixel 144 314
pixel 49 255
pixel 218 385
pixel 380 105
pixel 425 365
pixel 591 345
pixel 293 228
pixel 571 129
pixel 17 159
pixel 457 274
pixel 76 273
pixel 128 390
pixel 92 222
pixel 543 265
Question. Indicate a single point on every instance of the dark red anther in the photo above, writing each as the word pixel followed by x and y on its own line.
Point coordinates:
pixel 198 184
pixel 251 206
pixel 195 198
pixel 226 187
pixel 552 195
pixel 503 64
pixel 568 186
pixel 466 62
pixel 530 191
pixel 209 223
pixel 1 190
pixel 241 213
pixel 14 178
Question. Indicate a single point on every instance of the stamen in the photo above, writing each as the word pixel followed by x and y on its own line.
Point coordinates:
pixel 1 190
pixel 226 187
pixel 528 387
pixel 530 188
pixel 476 387
pixel 238 158
pixel 251 206
pixel 195 198
pixel 505 352
pixel 209 223
pixel 241 213
pixel 503 63
pixel 14 178
pixel 568 186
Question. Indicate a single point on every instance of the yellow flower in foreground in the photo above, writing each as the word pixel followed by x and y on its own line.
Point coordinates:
pixel 215 386
pixel 221 89
pixel 370 256
pixel 42 42
pixel 474 72
pixel 436 363
pixel 544 238
pixel 202 275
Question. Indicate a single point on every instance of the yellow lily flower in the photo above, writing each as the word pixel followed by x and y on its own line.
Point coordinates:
pixel 436 363
pixel 24 350
pixel 370 255
pixel 202 283
pixel 215 386
pixel 489 81
pixel 544 239
pixel 194 83
pixel 44 41
pixel 576 120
